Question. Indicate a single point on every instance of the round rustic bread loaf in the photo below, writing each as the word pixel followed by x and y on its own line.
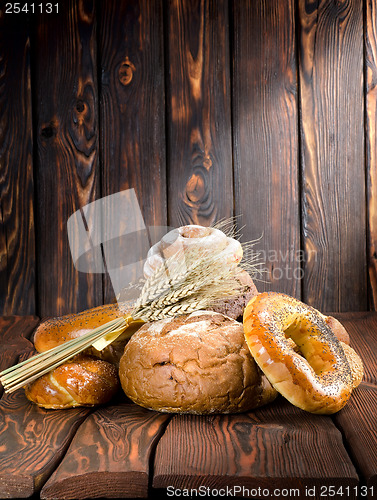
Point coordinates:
pixel 197 363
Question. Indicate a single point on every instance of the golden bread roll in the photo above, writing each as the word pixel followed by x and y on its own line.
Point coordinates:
pixel 56 331
pixel 82 381
pixel 197 363
pixel 318 378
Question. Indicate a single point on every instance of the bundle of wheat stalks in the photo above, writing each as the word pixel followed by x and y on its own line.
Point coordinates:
pixel 182 284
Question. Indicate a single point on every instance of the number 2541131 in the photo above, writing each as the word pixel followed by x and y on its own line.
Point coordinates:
pixel 31 8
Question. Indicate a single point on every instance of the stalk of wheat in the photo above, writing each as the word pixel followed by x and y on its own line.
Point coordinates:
pixel 182 284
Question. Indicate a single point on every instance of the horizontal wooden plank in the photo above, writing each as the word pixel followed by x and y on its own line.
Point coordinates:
pixel 109 456
pixel 362 329
pixel 358 421
pixel 32 443
pixel 14 334
pixel 278 446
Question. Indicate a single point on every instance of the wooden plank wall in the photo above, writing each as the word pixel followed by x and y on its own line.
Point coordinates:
pixel 264 110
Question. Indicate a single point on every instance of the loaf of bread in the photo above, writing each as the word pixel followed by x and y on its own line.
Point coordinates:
pixel 82 381
pixel 234 306
pixel 197 363
pixel 56 331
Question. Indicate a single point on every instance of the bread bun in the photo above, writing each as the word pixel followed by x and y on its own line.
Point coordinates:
pixel 190 240
pixel 197 363
pixel 56 331
pixel 82 381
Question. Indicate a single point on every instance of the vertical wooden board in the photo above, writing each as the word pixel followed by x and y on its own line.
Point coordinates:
pixel 265 137
pixel 67 161
pixel 14 334
pixel 109 455
pixel 370 38
pixel 17 240
pixel 133 112
pixel 200 178
pixel 278 446
pixel 332 147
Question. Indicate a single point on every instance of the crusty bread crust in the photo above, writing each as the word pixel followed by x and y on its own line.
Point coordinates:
pixel 56 331
pixel 197 363
pixel 82 381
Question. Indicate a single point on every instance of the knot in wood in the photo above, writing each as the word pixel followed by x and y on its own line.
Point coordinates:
pixel 80 106
pixel 48 131
pixel 126 72
pixel 195 188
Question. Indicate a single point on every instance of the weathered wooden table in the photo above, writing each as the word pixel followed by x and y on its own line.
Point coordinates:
pixel 121 450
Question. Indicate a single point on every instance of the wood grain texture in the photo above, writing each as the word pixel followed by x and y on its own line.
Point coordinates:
pixel 15 332
pixel 133 113
pixel 32 442
pixel 362 328
pixel 275 446
pixel 358 422
pixel 109 456
pixel 265 139
pixel 332 154
pixel 200 181
pixel 370 87
pixel 17 241
pixel 66 103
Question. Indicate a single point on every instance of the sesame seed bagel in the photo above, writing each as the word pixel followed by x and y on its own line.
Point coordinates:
pixel 318 380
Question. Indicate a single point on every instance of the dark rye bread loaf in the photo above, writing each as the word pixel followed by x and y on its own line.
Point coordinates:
pixel 234 306
pixel 197 363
